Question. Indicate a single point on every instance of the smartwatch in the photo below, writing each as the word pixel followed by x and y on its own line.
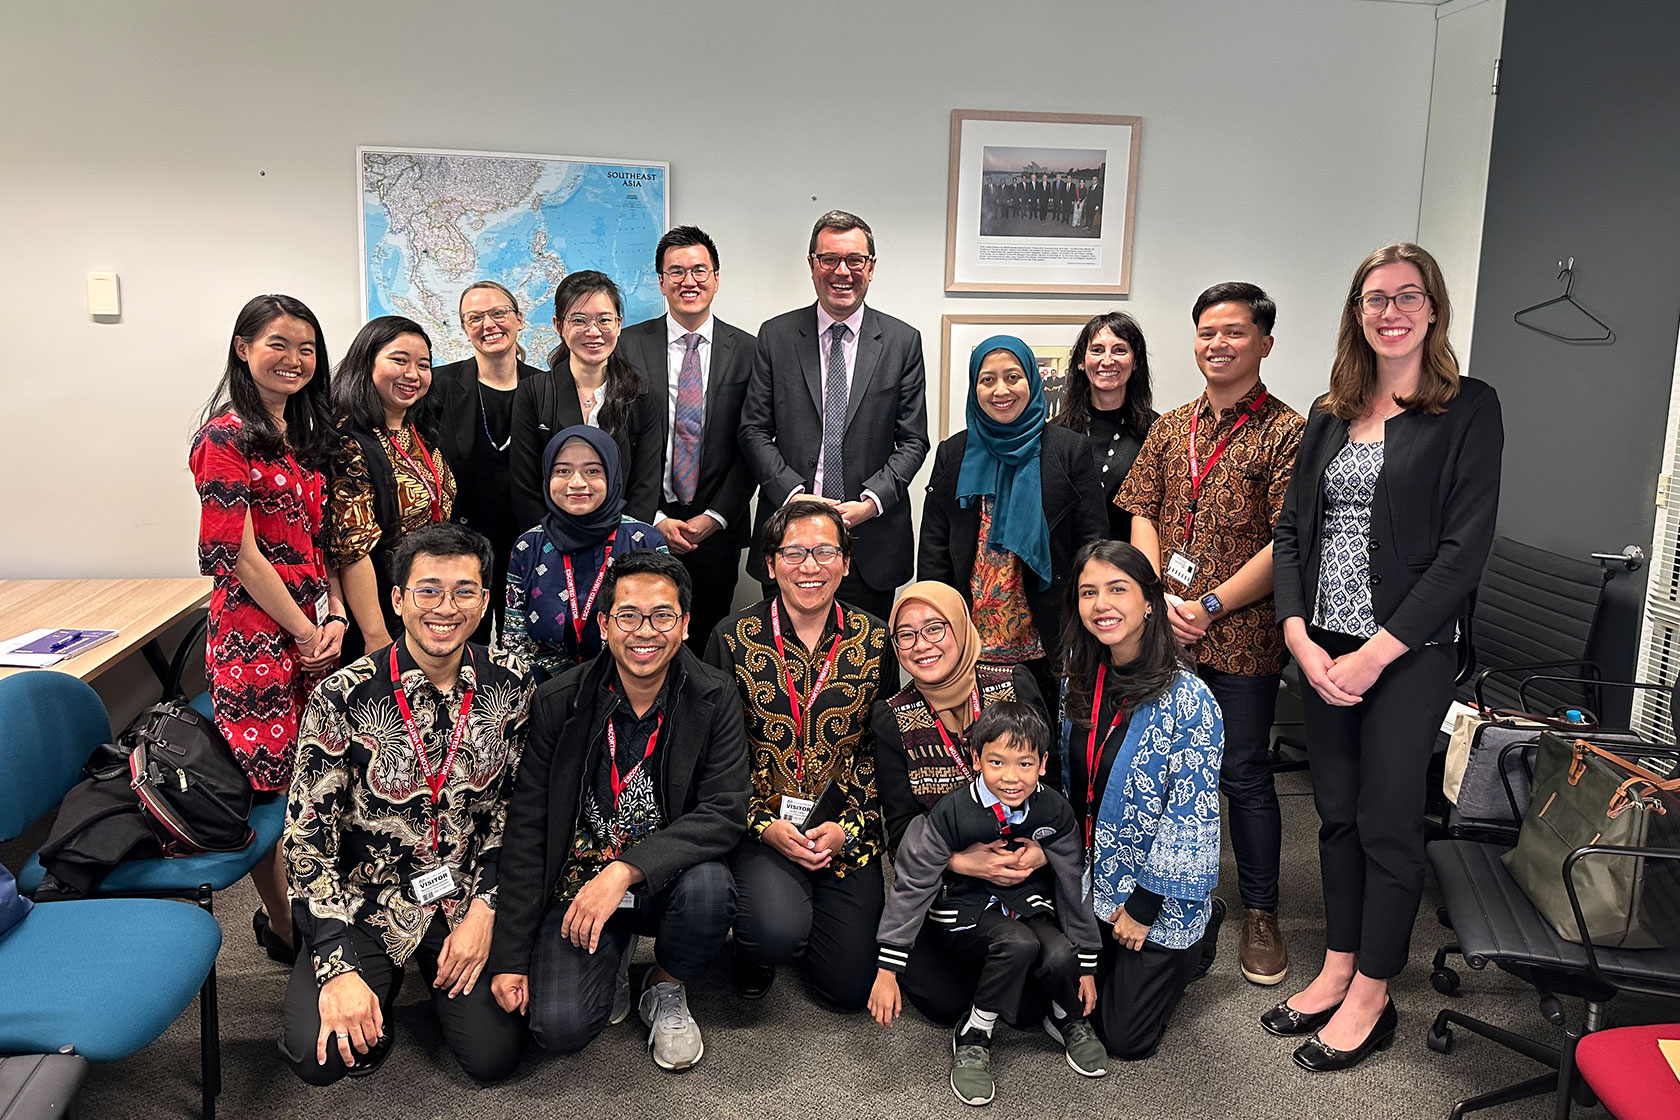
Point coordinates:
pixel 1212 605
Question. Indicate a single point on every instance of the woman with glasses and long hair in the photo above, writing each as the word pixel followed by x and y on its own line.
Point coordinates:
pixel 557 568
pixel 1109 399
pixel 260 463
pixel 588 382
pixel 922 753
pixel 392 478
pixel 1381 542
pixel 1142 740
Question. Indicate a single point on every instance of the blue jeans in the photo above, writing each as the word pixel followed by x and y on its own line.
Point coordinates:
pixel 1248 705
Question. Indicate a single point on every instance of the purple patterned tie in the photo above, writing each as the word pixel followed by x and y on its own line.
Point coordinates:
pixel 691 407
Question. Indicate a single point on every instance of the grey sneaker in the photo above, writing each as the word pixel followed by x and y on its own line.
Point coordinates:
pixel 971 1067
pixel 1086 1054
pixel 673 1035
pixel 621 990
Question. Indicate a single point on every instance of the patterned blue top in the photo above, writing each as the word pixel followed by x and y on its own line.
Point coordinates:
pixel 1343 605
pixel 1159 827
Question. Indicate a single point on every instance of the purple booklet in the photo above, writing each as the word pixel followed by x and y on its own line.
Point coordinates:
pixel 64 643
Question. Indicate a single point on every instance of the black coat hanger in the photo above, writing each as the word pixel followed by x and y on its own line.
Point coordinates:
pixel 1566 273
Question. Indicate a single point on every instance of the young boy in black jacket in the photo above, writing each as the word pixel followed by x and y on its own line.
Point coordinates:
pixel 1014 930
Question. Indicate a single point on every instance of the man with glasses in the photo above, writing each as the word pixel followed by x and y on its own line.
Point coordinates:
pixel 394 825
pixel 696 369
pixel 836 410
pixel 808 668
pixel 631 794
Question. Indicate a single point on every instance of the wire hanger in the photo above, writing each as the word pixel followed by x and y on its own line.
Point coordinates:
pixel 1566 273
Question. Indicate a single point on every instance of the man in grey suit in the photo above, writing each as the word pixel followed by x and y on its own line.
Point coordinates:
pixel 836 408
pixel 696 369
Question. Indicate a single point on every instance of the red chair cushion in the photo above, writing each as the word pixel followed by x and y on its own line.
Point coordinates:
pixel 1629 1073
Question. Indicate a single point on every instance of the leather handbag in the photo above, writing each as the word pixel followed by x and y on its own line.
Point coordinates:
pixel 1584 794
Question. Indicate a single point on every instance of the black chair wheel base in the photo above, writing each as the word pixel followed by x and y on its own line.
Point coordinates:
pixel 1445 981
pixel 1440 1041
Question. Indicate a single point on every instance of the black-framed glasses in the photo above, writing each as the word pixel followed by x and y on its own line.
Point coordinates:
pixel 700 272
pixel 905 638
pixel 1410 300
pixel 854 262
pixel 630 619
pixel 495 315
pixel 431 598
pixel 605 322
pixel 824 554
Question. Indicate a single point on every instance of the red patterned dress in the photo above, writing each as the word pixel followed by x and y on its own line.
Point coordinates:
pixel 257 684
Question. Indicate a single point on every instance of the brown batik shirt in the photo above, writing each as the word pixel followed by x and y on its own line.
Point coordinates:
pixel 1239 503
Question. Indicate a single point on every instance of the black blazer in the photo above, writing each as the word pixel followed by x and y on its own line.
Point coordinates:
pixel 1072 508
pixel 726 482
pixel 548 403
pixel 704 783
pixel 456 388
pixel 886 430
pixel 1432 519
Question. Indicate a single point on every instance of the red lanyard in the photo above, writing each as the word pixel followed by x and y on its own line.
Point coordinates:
pixel 1198 477
pixel 1094 749
pixel 800 711
pixel 618 783
pixel 435 491
pixel 1002 815
pixel 950 748
pixel 434 779
pixel 580 611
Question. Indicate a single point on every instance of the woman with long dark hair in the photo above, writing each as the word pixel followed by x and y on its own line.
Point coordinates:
pixel 1109 399
pixel 1382 538
pixel 1142 740
pixel 588 382
pixel 391 478
pixel 260 465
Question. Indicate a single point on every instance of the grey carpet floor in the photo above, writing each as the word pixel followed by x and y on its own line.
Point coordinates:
pixel 787 1057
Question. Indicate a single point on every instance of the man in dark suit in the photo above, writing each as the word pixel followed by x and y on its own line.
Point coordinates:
pixel 836 408
pixel 696 369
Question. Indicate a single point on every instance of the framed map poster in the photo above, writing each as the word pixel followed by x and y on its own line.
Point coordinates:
pixel 1050 337
pixel 433 222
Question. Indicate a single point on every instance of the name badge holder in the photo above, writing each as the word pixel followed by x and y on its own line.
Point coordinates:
pixel 429 886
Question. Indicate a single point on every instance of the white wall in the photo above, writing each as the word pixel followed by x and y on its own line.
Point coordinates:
pixel 205 151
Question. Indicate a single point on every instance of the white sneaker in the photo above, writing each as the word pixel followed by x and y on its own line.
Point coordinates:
pixel 673 1035
pixel 621 989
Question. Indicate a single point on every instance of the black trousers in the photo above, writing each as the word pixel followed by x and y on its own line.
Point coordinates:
pixel 1137 993
pixel 1248 705
pixel 715 567
pixel 855 593
pixel 485 1039
pixel 572 988
pixel 1014 951
pixel 1370 765
pixel 502 549
pixel 787 913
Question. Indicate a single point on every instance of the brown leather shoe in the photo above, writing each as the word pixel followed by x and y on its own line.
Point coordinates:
pixel 1263 955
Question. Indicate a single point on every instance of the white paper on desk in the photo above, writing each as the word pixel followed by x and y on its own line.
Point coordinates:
pixel 11 660
pixel 1451 721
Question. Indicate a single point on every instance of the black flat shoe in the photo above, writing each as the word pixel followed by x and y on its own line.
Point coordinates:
pixel 752 981
pixel 1315 1057
pixel 1286 1022
pixel 270 942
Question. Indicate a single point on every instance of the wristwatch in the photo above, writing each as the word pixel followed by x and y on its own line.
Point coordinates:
pixel 1212 605
pixel 336 618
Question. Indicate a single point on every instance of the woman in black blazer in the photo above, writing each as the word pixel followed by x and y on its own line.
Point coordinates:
pixel 588 382
pixel 1377 552
pixel 1030 490
pixel 1109 400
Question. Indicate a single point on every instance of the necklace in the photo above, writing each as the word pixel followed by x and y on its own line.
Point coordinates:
pixel 484 418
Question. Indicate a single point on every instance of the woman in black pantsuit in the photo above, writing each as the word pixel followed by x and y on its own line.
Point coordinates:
pixel 1380 544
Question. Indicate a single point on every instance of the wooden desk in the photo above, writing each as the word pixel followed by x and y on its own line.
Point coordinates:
pixel 138 609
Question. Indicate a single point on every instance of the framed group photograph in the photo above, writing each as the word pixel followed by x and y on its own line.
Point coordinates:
pixel 1041 202
pixel 1051 338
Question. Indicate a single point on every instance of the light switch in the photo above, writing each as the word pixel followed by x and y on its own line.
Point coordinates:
pixel 102 295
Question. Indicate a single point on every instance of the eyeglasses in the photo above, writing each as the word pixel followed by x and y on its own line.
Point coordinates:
pixel 823 554
pixel 700 272
pixel 630 619
pixel 1375 303
pixel 601 323
pixel 934 632
pixel 431 598
pixel 854 262
pixel 496 315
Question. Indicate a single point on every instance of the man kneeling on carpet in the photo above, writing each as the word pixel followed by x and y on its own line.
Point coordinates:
pixel 405 761
pixel 1016 932
pixel 631 795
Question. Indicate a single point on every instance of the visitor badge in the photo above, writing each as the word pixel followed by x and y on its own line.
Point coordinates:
pixel 796 809
pixel 321 609
pixel 429 886
pixel 628 902
pixel 1181 569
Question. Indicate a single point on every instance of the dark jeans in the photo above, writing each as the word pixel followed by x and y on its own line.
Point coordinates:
pixel 1248 705
pixel 1370 765
pixel 485 1039
pixel 1137 993
pixel 788 913
pixel 572 988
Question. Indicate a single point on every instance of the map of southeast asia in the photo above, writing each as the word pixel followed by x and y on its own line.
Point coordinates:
pixel 435 221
